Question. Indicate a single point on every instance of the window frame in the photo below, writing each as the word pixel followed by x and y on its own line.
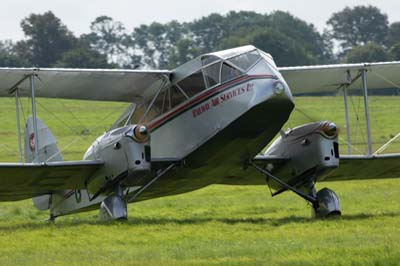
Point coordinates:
pixel 251 66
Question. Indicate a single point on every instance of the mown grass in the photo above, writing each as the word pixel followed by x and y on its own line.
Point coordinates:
pixel 218 225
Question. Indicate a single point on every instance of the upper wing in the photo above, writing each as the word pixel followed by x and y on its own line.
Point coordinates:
pixel 84 84
pixel 328 78
pixel 25 180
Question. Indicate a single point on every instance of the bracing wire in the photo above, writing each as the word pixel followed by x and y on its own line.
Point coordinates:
pixel 80 137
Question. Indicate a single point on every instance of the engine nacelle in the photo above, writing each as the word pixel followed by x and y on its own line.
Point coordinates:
pixel 310 146
pixel 126 155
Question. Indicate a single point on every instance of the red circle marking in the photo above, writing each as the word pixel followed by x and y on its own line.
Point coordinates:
pixel 32 142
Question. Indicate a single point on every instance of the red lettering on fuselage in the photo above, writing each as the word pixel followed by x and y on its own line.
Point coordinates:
pixel 221 99
pixel 201 109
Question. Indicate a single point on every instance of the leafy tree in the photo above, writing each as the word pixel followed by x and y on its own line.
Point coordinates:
pixel 394 33
pixel 290 40
pixel 394 52
pixel 109 38
pixel 9 57
pixel 83 56
pixel 47 39
pixel 305 35
pixel 184 50
pixel 216 32
pixel 208 32
pixel 358 26
pixel 370 52
pixel 285 50
pixel 157 42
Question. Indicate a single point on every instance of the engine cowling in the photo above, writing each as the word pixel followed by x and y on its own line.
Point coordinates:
pixel 126 154
pixel 312 146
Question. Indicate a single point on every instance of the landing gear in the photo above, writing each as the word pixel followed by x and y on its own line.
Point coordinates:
pixel 328 204
pixel 113 207
pixel 325 203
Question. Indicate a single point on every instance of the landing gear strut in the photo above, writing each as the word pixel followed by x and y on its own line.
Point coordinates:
pixel 324 202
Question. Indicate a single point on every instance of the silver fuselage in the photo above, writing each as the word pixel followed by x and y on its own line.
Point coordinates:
pixel 216 132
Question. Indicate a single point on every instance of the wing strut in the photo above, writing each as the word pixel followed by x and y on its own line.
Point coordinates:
pixel 363 74
pixel 163 172
pixel 367 119
pixel 18 125
pixel 346 110
pixel 35 137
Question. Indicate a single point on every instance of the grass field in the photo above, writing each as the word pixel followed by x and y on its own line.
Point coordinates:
pixel 218 225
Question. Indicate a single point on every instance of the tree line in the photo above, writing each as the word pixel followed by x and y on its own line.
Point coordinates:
pixel 360 34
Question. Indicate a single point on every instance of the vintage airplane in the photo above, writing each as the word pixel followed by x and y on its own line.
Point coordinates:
pixel 202 123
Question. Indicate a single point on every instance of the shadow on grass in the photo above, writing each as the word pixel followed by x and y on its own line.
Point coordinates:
pixel 192 221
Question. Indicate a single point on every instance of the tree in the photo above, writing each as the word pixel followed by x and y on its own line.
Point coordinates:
pixel 290 40
pixel 305 35
pixel 285 50
pixel 395 52
pixel 157 42
pixel 9 57
pixel 183 51
pixel 370 52
pixel 358 26
pixel 83 56
pixel 109 38
pixel 47 39
pixel 393 34
pixel 216 32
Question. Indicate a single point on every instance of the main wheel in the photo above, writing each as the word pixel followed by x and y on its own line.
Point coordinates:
pixel 328 204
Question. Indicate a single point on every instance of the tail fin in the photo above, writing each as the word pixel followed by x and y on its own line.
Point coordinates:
pixel 48 150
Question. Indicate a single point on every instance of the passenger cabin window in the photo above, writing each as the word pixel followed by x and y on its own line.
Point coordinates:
pixel 228 72
pixel 177 97
pixel 193 84
pixel 167 99
pixel 211 74
pixel 245 61
pixel 155 109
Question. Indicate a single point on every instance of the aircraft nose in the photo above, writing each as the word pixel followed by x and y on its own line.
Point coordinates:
pixel 278 87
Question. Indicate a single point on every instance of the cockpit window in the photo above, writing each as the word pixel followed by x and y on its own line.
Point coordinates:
pixel 245 61
pixel 193 84
pixel 208 59
pixel 212 74
pixel 228 72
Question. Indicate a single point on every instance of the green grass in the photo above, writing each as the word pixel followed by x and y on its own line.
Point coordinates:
pixel 218 225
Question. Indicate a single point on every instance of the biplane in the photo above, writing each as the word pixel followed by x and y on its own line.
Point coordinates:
pixel 205 122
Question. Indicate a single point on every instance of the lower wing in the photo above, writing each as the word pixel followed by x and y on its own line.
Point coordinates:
pixel 353 167
pixel 26 180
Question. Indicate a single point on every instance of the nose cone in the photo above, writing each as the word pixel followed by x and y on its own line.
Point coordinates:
pixel 142 131
pixel 139 133
pixel 330 129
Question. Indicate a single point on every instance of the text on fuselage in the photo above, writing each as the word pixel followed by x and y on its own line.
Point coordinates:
pixel 215 101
